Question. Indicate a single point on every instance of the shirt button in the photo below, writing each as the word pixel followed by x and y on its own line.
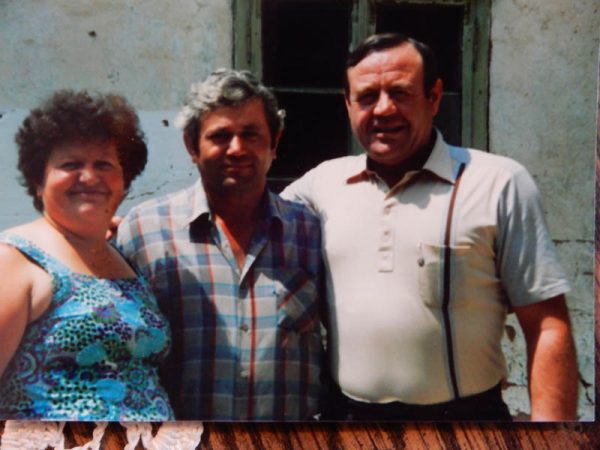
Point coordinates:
pixel 421 262
pixel 244 327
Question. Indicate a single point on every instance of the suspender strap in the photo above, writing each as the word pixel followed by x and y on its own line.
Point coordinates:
pixel 446 285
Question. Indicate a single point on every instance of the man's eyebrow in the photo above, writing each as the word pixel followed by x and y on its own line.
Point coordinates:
pixel 402 84
pixel 365 87
pixel 219 129
pixel 250 127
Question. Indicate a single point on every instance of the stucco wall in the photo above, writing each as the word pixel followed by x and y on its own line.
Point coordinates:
pixel 542 109
pixel 543 81
pixel 149 50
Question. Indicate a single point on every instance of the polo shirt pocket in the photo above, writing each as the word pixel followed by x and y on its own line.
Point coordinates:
pixel 296 294
pixel 431 264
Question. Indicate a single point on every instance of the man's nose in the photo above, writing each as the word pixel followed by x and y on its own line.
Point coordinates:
pixel 236 145
pixel 385 105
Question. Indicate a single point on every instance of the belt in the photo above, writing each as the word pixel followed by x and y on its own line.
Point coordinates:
pixel 487 405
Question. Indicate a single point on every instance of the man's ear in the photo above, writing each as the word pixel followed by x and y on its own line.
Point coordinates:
pixel 190 146
pixel 347 98
pixel 435 96
pixel 276 143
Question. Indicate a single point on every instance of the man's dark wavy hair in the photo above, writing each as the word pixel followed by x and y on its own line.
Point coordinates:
pixel 68 117
pixel 384 41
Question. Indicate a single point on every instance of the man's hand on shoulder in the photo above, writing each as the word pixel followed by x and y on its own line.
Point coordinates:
pixel 111 233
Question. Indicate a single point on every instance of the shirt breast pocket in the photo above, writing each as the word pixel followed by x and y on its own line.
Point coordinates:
pixel 296 293
pixel 432 264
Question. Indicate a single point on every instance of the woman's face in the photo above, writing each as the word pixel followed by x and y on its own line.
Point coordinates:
pixel 83 183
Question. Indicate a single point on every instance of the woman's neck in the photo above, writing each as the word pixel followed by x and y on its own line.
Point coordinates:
pixel 92 242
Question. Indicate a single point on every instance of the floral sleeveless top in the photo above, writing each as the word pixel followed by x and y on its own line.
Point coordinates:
pixel 93 355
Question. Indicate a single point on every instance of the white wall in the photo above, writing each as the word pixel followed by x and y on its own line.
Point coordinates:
pixel 544 64
pixel 150 50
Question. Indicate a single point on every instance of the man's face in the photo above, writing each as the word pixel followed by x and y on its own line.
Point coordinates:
pixel 235 150
pixel 389 112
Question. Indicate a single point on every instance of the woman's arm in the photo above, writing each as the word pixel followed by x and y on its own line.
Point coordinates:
pixel 15 295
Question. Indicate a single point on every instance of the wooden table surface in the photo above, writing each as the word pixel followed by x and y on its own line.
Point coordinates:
pixel 369 436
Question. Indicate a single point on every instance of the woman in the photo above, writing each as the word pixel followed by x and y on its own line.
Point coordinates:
pixel 80 330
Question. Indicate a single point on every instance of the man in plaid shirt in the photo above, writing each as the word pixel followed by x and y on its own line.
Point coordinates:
pixel 235 268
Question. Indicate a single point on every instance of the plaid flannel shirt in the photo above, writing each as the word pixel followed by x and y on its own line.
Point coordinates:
pixel 246 343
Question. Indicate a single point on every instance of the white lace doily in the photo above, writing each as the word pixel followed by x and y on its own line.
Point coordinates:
pixel 34 435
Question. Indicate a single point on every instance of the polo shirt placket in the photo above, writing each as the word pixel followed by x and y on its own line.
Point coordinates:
pixel 385 257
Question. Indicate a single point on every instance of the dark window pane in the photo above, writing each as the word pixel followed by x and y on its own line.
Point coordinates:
pixel 438 26
pixel 305 43
pixel 448 118
pixel 315 130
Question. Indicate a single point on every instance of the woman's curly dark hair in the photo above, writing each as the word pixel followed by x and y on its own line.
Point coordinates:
pixel 69 116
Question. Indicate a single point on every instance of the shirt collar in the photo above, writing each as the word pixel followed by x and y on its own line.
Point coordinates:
pixel 359 172
pixel 200 208
pixel 442 162
pixel 198 202
pixel 272 207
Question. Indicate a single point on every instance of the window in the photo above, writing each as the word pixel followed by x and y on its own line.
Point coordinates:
pixel 299 48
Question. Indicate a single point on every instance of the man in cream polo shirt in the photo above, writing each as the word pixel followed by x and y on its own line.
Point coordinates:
pixel 427 248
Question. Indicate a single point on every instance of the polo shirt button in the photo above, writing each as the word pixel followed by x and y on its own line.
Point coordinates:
pixel 244 327
pixel 421 262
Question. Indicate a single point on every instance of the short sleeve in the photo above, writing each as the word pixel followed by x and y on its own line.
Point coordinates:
pixel 300 191
pixel 527 262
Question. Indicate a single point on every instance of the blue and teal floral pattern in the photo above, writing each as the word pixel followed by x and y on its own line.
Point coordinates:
pixel 94 353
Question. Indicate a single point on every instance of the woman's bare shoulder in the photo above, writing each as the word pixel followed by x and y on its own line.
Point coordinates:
pixel 14 262
pixel 27 284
